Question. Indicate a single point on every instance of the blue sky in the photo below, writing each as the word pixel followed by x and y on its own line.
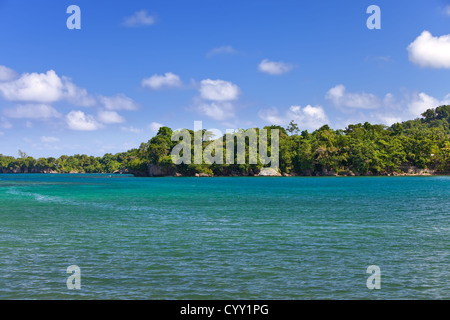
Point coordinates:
pixel 136 65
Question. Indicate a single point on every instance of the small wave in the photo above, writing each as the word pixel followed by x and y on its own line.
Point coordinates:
pixel 37 196
pixel 54 199
pixel 441 229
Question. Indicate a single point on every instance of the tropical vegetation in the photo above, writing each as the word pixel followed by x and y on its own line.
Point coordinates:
pixel 359 149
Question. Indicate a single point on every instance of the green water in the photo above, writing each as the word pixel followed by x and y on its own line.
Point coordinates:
pixel 224 238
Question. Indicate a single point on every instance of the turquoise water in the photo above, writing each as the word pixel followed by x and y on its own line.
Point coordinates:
pixel 224 238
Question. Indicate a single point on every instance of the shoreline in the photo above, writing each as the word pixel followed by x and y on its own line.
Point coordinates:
pixel 235 175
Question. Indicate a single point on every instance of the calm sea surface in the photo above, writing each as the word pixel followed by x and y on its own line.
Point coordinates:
pixel 224 238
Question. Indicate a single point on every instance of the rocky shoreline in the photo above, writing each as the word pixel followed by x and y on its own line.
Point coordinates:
pixel 155 171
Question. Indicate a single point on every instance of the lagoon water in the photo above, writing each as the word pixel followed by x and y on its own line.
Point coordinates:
pixel 224 238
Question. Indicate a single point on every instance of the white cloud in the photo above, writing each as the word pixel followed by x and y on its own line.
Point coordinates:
pixel 156 81
pixel 388 120
pixel 421 102
pixel 313 113
pixel 40 90
pixel 217 110
pixel 429 51
pixel 32 111
pixel 154 126
pixel 274 67
pixel 109 117
pixel 393 109
pixel 446 100
pixel 36 87
pixel 272 116
pixel 76 95
pixel 131 129
pixel 7 74
pixel 411 106
pixel 341 98
pixel 139 18
pixel 215 99
pixel 118 102
pixel 308 117
pixel 44 88
pixel 49 139
pixel 218 90
pixel 221 50
pixel 78 120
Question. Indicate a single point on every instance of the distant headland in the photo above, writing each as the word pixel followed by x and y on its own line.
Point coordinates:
pixel 414 147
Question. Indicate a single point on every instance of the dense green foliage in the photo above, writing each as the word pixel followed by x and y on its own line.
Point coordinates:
pixel 359 149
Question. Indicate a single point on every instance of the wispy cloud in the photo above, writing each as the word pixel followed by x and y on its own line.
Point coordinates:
pixel 447 10
pixel 341 98
pixel 32 111
pixel 139 19
pixel 157 82
pixel 309 117
pixel 131 129
pixel 7 74
pixel 379 60
pixel 221 50
pixel 217 110
pixel 118 102
pixel 361 107
pixel 49 139
pixel 274 67
pixel 109 117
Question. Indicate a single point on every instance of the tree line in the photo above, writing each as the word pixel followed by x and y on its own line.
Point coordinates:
pixel 359 149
